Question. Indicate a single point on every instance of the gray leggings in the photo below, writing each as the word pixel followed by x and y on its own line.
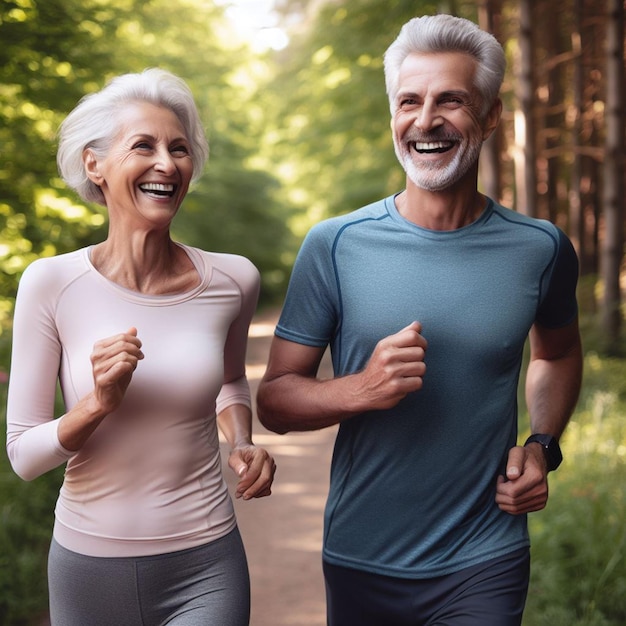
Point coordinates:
pixel 203 586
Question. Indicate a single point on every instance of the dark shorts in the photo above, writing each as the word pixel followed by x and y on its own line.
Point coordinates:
pixel 195 587
pixel 492 593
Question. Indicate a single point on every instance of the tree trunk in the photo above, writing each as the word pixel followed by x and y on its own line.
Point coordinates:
pixel 554 114
pixel 525 153
pixel 576 221
pixel 613 190
pixel 489 14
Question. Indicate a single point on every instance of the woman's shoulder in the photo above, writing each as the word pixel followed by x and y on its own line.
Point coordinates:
pixel 56 269
pixel 238 267
pixel 44 281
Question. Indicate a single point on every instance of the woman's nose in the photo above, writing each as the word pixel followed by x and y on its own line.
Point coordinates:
pixel 164 161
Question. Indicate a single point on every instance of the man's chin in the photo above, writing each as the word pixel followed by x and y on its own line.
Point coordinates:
pixel 429 181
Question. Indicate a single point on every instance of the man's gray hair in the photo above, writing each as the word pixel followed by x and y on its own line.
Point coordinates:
pixel 95 120
pixel 446 33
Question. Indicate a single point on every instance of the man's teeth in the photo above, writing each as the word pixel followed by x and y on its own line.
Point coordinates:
pixel 431 146
pixel 158 188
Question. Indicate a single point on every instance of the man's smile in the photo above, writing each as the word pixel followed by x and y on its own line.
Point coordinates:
pixel 430 147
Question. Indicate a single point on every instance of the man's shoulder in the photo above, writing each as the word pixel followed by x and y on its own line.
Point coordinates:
pixel 515 218
pixel 332 225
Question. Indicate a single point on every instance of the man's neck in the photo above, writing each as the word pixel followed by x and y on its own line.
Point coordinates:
pixel 449 209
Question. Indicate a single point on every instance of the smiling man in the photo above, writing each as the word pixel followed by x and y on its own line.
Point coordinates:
pixel 426 299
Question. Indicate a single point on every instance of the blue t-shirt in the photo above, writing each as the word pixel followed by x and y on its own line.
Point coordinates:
pixel 412 490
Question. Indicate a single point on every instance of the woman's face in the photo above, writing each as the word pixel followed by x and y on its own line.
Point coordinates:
pixel 146 173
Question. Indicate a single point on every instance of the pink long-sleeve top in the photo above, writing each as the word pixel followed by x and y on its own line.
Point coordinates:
pixel 149 480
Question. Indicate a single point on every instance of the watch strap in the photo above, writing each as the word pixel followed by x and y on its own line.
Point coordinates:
pixel 551 449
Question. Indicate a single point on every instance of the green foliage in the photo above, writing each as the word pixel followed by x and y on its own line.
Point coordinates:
pixel 39 42
pixel 579 541
pixel 26 518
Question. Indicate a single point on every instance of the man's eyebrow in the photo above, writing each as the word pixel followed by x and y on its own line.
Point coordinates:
pixel 461 93
pixel 406 94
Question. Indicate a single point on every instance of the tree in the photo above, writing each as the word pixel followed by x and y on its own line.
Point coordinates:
pixel 613 191
pixel 489 17
pixel 525 153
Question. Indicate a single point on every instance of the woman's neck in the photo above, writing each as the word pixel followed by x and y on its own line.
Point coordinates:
pixel 153 264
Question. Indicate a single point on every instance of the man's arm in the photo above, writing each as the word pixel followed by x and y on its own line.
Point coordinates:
pixel 554 377
pixel 290 397
pixel 553 383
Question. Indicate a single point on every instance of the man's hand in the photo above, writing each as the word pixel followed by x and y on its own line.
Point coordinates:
pixel 395 368
pixel 525 488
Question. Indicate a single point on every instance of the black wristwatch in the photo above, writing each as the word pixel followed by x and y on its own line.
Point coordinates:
pixel 551 449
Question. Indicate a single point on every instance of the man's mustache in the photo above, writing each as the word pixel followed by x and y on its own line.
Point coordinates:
pixel 415 136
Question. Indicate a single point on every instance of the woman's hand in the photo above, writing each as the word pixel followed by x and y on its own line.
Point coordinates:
pixel 255 468
pixel 114 360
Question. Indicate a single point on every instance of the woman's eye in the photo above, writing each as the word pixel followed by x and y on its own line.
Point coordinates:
pixel 142 145
pixel 180 150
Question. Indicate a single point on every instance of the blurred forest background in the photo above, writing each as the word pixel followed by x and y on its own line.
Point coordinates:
pixel 298 123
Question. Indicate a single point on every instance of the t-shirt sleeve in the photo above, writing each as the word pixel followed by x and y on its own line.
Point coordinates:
pixel 32 442
pixel 235 388
pixel 559 306
pixel 310 312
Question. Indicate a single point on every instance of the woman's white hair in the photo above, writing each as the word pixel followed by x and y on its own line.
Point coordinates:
pixel 94 122
pixel 446 33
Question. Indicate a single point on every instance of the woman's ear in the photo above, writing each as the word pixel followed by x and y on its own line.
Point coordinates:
pixel 91 166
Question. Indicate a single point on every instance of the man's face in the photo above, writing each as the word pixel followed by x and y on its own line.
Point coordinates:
pixel 437 128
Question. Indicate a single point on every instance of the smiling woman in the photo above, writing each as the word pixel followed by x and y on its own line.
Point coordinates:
pixel 147 338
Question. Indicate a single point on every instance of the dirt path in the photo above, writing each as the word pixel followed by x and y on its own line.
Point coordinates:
pixel 283 533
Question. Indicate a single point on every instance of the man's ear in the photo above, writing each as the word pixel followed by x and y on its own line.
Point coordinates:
pixel 91 166
pixel 492 119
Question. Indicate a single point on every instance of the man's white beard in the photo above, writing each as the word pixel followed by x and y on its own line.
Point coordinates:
pixel 431 175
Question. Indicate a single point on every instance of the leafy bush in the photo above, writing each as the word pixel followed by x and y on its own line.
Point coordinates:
pixel 26 518
pixel 579 542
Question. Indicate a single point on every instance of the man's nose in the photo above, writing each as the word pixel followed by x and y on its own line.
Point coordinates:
pixel 428 116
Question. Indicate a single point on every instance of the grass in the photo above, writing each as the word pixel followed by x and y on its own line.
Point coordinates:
pixel 579 542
